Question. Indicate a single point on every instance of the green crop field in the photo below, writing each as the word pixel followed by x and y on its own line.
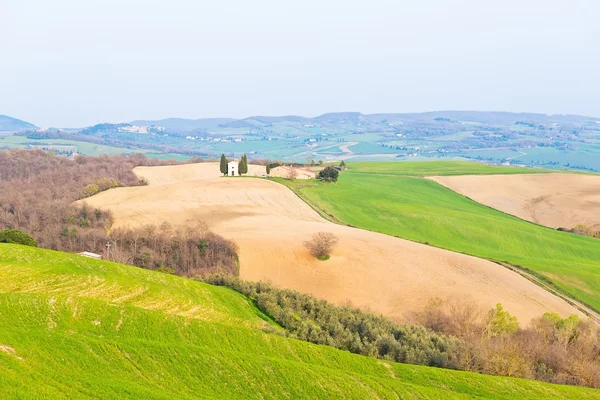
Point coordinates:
pixel 394 199
pixel 73 327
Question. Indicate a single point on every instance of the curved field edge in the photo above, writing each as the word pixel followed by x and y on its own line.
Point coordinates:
pixel 59 339
pixel 399 202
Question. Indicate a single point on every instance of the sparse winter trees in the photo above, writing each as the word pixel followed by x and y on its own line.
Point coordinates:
pixel 223 164
pixel 551 348
pixel 37 191
pixel 321 244
pixel 292 174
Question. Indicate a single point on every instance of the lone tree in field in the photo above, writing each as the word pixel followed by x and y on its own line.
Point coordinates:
pixel 329 174
pixel 223 164
pixel 268 167
pixel 343 165
pixel 291 173
pixel 321 244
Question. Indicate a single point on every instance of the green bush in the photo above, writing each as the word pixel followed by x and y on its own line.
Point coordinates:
pixel 329 174
pixel 17 237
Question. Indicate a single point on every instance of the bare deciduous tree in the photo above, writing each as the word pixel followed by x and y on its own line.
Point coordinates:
pixel 321 244
pixel 292 174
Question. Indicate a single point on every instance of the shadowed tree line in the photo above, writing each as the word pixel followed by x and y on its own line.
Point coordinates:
pixel 37 192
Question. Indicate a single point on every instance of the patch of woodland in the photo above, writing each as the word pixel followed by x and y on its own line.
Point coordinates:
pixel 455 334
pixel 37 192
pixel 550 348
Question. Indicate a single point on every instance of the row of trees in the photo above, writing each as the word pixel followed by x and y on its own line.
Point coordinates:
pixel 37 195
pixel 307 318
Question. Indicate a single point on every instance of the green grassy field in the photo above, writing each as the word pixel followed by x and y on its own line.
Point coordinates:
pixel 72 327
pixel 392 198
pixel 431 168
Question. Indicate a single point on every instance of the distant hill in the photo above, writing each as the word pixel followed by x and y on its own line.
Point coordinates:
pixel 12 124
pixel 181 125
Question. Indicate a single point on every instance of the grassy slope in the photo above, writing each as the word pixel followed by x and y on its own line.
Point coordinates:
pixel 392 198
pixel 83 328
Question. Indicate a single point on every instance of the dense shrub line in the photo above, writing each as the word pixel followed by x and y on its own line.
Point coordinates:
pixel 317 321
pixel 37 191
pixel 452 334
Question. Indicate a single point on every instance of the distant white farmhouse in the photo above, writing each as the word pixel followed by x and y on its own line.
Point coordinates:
pixel 232 168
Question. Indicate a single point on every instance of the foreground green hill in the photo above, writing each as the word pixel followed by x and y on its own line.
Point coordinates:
pixel 393 198
pixel 72 327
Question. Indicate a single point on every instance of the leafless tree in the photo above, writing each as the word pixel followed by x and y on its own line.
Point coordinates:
pixel 292 174
pixel 321 244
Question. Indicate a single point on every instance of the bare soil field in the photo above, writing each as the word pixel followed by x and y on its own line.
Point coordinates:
pixel 553 200
pixel 270 223
pixel 284 172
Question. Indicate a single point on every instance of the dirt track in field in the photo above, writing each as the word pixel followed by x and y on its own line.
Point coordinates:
pixel 553 200
pixel 270 223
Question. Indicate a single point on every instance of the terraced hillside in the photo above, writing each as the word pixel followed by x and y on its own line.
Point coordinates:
pixel 72 327
pixel 393 198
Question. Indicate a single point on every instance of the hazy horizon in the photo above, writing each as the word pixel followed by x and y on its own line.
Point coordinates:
pixel 73 64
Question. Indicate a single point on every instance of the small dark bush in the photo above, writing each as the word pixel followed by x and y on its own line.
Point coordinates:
pixel 17 237
pixel 329 174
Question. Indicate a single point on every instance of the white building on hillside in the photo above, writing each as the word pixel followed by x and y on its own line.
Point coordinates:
pixel 232 168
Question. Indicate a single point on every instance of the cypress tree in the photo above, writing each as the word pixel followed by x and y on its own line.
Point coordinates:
pixel 243 167
pixel 223 164
pixel 268 167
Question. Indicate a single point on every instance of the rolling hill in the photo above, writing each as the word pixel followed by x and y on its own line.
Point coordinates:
pixel 77 328
pixel 12 124
pixel 269 223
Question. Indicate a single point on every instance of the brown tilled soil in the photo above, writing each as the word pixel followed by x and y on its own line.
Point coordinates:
pixel 270 223
pixel 553 200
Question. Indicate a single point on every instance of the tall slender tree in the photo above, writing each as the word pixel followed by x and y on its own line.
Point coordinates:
pixel 268 167
pixel 243 166
pixel 223 164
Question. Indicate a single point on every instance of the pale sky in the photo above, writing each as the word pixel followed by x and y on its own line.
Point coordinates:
pixel 72 63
